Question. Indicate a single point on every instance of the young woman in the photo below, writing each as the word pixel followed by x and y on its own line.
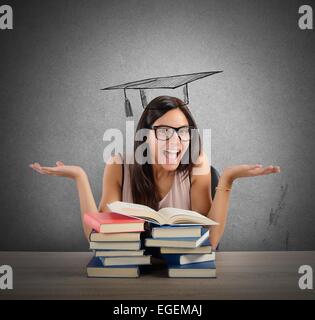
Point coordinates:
pixel 176 172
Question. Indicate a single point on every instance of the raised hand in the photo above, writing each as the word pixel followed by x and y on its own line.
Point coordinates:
pixel 60 170
pixel 248 170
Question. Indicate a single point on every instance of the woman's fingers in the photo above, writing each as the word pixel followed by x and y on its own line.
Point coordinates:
pixel 34 166
pixel 266 170
pixel 249 170
pixel 272 169
pixel 43 170
pixel 257 170
pixel 277 169
pixel 254 166
pixel 50 168
pixel 38 170
pixel 50 173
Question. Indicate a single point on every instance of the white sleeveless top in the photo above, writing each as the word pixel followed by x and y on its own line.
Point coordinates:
pixel 177 197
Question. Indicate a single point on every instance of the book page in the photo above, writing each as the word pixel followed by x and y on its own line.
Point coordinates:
pixel 175 215
pixel 134 210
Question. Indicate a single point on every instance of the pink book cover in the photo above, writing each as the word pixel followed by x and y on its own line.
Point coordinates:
pixel 95 220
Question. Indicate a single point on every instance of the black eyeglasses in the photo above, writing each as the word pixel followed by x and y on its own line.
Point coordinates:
pixel 166 132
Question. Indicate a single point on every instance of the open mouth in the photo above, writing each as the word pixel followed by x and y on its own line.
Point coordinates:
pixel 172 155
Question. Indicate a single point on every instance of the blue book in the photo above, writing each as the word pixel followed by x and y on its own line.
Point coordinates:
pixel 192 231
pixel 125 261
pixel 193 270
pixel 193 242
pixel 118 253
pixel 115 245
pixel 181 259
pixel 95 268
pixel 205 247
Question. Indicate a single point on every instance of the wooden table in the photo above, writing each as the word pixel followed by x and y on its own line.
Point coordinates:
pixel 240 275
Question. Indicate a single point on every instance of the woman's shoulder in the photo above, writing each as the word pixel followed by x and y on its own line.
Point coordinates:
pixel 202 166
pixel 120 158
pixel 114 168
pixel 115 159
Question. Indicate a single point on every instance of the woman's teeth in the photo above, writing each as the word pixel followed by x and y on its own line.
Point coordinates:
pixel 171 154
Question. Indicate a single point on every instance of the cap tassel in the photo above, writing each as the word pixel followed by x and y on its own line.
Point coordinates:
pixel 128 109
pixel 143 98
pixel 186 96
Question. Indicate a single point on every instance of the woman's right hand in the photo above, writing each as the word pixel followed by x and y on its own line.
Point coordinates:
pixel 61 170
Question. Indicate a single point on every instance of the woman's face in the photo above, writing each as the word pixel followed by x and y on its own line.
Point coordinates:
pixel 168 153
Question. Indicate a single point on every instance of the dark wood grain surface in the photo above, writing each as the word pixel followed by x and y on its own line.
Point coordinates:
pixel 240 275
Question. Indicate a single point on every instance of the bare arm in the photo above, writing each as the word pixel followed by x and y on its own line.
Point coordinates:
pixel 112 179
pixel 219 210
pixel 201 187
pixel 201 201
pixel 76 173
pixel 220 204
pixel 111 186
pixel 87 202
pixel 111 191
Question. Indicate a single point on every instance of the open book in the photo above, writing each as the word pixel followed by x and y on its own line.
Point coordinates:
pixel 165 216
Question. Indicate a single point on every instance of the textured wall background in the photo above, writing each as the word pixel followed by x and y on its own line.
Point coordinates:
pixel 261 109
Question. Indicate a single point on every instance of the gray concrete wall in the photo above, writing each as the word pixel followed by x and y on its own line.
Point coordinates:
pixel 261 109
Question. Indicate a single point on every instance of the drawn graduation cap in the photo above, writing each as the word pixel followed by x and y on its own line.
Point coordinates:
pixel 170 82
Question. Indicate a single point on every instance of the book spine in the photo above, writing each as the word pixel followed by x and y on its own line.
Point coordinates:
pixel 92 223
pixel 171 259
pixel 103 260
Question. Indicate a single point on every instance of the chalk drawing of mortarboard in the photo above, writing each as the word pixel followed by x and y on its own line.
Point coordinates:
pixel 170 82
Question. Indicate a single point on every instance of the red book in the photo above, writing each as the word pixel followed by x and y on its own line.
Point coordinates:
pixel 110 222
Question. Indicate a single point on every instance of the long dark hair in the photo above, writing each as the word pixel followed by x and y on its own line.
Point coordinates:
pixel 143 186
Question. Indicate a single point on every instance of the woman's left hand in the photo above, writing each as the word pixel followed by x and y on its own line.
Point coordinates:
pixel 247 170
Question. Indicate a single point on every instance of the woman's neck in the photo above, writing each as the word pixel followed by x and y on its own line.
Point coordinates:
pixel 160 173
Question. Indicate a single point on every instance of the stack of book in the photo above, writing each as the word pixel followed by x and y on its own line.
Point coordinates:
pixel 186 250
pixel 115 241
pixel 183 242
